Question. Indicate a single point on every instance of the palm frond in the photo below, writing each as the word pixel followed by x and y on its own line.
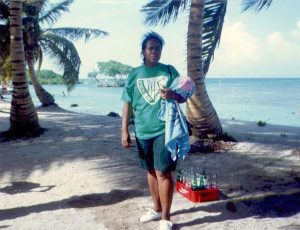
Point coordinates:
pixel 75 34
pixel 4 9
pixel 162 11
pixel 214 13
pixel 34 7
pixel 55 12
pixel 40 4
pixel 257 5
pixel 65 55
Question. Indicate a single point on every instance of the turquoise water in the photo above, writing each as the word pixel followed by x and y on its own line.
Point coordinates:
pixel 276 101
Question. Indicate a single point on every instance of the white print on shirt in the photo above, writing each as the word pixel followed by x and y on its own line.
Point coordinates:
pixel 150 88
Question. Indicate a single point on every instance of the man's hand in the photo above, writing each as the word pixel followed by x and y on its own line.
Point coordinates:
pixel 126 140
pixel 126 115
pixel 167 94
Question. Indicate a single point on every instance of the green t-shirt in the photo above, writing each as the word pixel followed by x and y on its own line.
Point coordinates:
pixel 142 90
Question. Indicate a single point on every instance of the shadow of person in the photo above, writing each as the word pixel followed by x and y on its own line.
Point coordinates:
pixel 82 201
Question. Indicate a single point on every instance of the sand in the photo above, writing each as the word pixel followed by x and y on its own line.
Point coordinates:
pixel 77 176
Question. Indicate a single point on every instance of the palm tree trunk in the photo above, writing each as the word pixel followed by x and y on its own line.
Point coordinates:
pixel 200 111
pixel 23 116
pixel 44 97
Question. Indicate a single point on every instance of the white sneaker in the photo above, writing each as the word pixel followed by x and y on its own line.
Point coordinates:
pixel 165 225
pixel 150 215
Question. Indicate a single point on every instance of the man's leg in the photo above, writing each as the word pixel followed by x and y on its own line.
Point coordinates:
pixel 165 188
pixel 153 186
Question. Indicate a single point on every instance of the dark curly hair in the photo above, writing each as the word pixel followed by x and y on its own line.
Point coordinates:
pixel 151 35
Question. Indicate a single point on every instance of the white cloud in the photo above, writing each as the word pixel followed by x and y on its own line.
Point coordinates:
pixel 296 33
pixel 279 48
pixel 242 53
pixel 283 48
pixel 238 45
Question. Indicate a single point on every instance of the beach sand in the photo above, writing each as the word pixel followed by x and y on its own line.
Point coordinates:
pixel 77 176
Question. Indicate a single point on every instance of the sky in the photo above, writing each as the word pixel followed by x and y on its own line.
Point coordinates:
pixel 264 44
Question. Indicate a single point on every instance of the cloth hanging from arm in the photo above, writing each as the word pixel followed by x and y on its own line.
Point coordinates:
pixel 177 139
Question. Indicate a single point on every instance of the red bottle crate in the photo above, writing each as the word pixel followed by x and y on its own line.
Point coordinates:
pixel 203 195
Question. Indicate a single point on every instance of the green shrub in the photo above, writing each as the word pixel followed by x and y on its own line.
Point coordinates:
pixel 46 77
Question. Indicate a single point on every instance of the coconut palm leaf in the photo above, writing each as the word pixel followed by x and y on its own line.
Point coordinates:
pixel 66 46
pixel 33 7
pixel 75 34
pixel 39 5
pixel 257 5
pixel 52 15
pixel 70 73
pixel 65 55
pixel 162 11
pixel 214 13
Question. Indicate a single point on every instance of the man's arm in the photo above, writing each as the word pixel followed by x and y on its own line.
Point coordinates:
pixel 126 115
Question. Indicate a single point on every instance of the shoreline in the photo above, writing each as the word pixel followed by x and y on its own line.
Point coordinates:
pixel 241 130
pixel 261 102
pixel 78 169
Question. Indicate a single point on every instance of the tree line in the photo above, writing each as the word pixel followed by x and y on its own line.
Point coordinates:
pixel 45 77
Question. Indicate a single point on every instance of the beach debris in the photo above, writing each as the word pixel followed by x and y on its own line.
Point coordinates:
pixel 113 114
pixel 74 105
pixel 213 145
pixel 219 144
pixel 230 206
pixel 261 123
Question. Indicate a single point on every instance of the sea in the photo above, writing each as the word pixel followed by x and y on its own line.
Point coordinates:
pixel 273 100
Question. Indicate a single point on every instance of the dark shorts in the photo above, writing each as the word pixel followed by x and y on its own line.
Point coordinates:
pixel 154 155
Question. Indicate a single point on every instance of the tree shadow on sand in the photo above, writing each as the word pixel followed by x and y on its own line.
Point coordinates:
pixel 82 201
pixel 69 133
pixel 25 186
pixel 65 140
pixel 272 206
pixel 257 184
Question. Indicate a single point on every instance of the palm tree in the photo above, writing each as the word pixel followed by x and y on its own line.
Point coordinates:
pixel 23 116
pixel 205 24
pixel 56 42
